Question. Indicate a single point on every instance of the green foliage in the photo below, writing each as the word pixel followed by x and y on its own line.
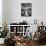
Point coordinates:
pixel 4 32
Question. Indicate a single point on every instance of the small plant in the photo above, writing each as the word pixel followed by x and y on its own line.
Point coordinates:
pixel 4 32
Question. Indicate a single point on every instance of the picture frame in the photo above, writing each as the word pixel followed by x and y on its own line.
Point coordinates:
pixel 26 9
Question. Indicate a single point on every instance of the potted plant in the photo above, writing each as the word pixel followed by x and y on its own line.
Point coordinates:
pixel 3 34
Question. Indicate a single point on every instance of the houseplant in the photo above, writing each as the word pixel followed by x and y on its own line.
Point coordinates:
pixel 3 33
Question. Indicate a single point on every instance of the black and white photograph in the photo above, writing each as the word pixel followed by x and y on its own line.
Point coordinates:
pixel 26 9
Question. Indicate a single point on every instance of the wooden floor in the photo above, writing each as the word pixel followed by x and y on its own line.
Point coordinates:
pixel 34 44
pixel 1 45
pixel 42 45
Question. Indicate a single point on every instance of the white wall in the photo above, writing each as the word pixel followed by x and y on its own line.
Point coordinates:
pixel 12 11
pixel 4 11
pixel 0 13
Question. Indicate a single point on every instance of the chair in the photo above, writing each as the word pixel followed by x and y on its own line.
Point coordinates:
pixel 9 42
pixel 42 37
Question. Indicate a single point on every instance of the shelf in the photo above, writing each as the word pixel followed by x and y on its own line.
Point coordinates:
pixel 16 32
pixel 12 32
pixel 19 32
pixel 19 25
pixel 20 29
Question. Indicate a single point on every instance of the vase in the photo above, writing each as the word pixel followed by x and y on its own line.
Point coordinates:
pixel 2 40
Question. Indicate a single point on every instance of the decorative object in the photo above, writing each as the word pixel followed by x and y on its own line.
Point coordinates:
pixel 28 33
pixel 26 9
pixel 35 21
pixel 2 40
pixel 4 32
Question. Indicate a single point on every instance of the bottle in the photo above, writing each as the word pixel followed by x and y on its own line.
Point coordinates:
pixel 35 21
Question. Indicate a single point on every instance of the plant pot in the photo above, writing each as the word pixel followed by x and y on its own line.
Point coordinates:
pixel 2 40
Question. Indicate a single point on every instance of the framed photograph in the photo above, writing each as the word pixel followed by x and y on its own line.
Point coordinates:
pixel 26 9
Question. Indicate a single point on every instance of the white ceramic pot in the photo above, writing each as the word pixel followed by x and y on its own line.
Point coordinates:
pixel 2 40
